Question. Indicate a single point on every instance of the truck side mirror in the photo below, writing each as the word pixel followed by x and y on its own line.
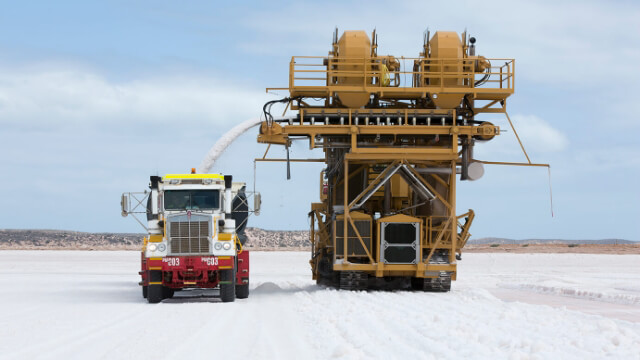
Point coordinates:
pixel 124 204
pixel 257 201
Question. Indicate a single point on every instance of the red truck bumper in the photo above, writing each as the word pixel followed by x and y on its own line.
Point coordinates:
pixel 180 272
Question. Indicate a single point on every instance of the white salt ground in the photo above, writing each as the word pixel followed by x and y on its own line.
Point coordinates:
pixel 79 305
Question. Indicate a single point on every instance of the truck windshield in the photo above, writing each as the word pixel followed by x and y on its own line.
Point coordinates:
pixel 191 199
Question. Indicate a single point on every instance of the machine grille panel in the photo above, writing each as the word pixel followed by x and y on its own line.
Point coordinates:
pixel 398 234
pixel 189 237
pixel 354 247
pixel 400 255
pixel 400 242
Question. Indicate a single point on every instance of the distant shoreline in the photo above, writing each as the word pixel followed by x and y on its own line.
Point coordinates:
pixel 273 240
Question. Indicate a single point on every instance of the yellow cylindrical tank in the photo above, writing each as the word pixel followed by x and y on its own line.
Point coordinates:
pixel 443 63
pixel 354 54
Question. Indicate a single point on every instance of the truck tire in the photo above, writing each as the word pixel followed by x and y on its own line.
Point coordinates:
pixel 155 294
pixel 228 285
pixel 242 291
pixel 168 292
pixel 144 291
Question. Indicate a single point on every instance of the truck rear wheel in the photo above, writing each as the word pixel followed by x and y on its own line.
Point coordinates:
pixel 155 294
pixel 144 291
pixel 228 285
pixel 242 291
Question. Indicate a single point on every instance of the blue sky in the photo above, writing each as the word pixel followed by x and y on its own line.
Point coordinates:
pixel 95 97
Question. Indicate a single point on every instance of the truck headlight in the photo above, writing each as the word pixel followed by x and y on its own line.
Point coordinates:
pixel 217 246
pixel 152 247
pixel 226 246
pixel 162 247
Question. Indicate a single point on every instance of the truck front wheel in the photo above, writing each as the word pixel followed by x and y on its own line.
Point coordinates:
pixel 228 285
pixel 168 292
pixel 155 294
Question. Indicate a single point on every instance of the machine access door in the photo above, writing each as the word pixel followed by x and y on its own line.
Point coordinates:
pixel 399 239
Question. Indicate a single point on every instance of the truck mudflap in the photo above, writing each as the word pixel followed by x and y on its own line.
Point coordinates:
pixel 242 272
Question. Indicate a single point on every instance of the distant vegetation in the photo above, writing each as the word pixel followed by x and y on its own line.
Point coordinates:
pixel 61 239
pixel 257 239
pixel 491 240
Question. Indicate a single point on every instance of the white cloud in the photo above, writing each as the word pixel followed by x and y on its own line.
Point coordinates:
pixel 553 42
pixel 537 135
pixel 69 96
pixel 610 158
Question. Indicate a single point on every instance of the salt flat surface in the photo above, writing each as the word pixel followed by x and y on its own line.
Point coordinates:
pixel 87 305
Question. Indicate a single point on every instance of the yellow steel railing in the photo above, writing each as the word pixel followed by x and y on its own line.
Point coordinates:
pixel 432 232
pixel 311 73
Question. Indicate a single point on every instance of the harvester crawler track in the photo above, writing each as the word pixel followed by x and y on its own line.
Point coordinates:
pixel 439 284
pixel 353 280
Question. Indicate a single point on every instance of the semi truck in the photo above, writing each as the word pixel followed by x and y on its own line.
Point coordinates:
pixel 195 234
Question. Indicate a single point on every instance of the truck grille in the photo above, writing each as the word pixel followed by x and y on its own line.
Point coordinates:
pixel 189 237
